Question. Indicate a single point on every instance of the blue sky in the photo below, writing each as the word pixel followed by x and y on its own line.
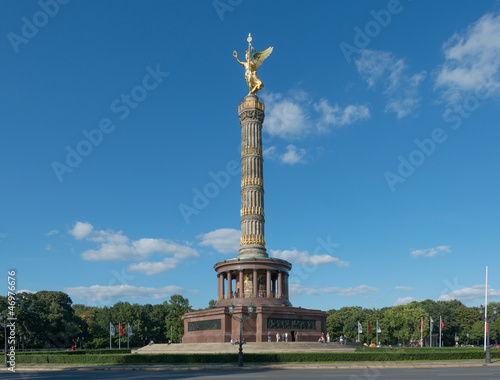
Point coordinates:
pixel 120 147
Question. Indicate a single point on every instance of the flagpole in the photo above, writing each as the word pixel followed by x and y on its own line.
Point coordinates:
pixel 422 333
pixel 440 330
pixel 110 335
pixel 358 333
pixel 430 336
pixel 367 332
pixel 377 335
pixel 485 307
pixel 119 335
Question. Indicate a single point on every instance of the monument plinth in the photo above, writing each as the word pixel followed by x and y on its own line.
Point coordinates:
pixel 253 277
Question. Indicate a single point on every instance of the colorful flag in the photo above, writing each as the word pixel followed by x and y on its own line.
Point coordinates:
pixel 442 324
pixel 369 328
pixel 422 325
pixel 129 330
pixel 111 329
pixel 360 328
pixel 432 324
pixel 378 328
pixel 121 329
pixel 487 328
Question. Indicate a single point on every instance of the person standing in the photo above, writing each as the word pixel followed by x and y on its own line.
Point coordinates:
pixel 327 337
pixel 268 336
pixel 286 337
pixel 277 337
pixel 283 337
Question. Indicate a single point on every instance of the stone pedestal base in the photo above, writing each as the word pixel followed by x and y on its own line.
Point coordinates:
pixel 215 325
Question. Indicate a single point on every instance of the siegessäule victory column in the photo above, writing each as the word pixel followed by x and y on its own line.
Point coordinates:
pixel 252 287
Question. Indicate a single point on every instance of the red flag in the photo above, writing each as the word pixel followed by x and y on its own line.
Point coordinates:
pixel 121 330
pixel 442 325
pixel 422 325
pixel 369 328
pixel 487 328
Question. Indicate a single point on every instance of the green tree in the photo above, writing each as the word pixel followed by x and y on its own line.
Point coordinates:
pixel 404 321
pixel 477 332
pixel 175 309
pixel 465 318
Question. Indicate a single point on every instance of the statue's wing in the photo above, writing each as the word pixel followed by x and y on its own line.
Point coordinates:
pixel 260 56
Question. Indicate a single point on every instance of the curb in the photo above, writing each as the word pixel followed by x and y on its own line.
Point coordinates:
pixel 253 367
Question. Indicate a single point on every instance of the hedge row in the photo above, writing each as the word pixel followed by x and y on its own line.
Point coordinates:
pixel 288 357
pixel 423 349
pixel 77 352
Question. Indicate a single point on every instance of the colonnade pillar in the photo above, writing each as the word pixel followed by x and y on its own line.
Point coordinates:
pixel 255 285
pixel 268 283
pixel 242 288
pixel 280 284
pixel 229 285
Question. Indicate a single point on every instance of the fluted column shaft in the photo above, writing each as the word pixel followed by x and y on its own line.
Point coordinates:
pixel 251 113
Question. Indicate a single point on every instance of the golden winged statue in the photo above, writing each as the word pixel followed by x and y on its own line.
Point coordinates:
pixel 251 66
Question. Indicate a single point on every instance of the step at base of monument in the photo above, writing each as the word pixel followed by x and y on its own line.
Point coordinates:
pixel 248 347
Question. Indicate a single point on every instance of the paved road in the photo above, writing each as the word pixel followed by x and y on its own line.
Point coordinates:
pixel 476 373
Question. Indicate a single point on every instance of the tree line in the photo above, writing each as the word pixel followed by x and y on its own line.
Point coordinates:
pixel 49 319
pixel 401 324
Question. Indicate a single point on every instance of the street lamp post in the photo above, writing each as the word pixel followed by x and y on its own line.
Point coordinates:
pixel 241 320
pixel 4 325
pixel 488 320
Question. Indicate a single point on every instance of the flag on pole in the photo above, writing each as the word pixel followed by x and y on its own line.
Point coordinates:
pixel 360 328
pixel 378 328
pixel 111 329
pixel 487 328
pixel 422 325
pixel 121 330
pixel 369 328
pixel 129 330
pixel 432 324
pixel 442 324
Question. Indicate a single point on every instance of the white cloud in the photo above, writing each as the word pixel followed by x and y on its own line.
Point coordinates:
pixel 350 292
pixel 223 240
pixel 400 89
pixel 25 291
pixel 52 232
pixel 116 292
pixel 404 301
pixel 150 268
pixel 431 252
pixel 304 258
pixel 81 230
pixel 298 290
pixel 286 117
pixel 114 246
pixel 295 115
pixel 472 60
pixel 270 153
pixel 48 247
pixel 338 117
pixel 404 288
pixel 293 155
pixel 472 294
